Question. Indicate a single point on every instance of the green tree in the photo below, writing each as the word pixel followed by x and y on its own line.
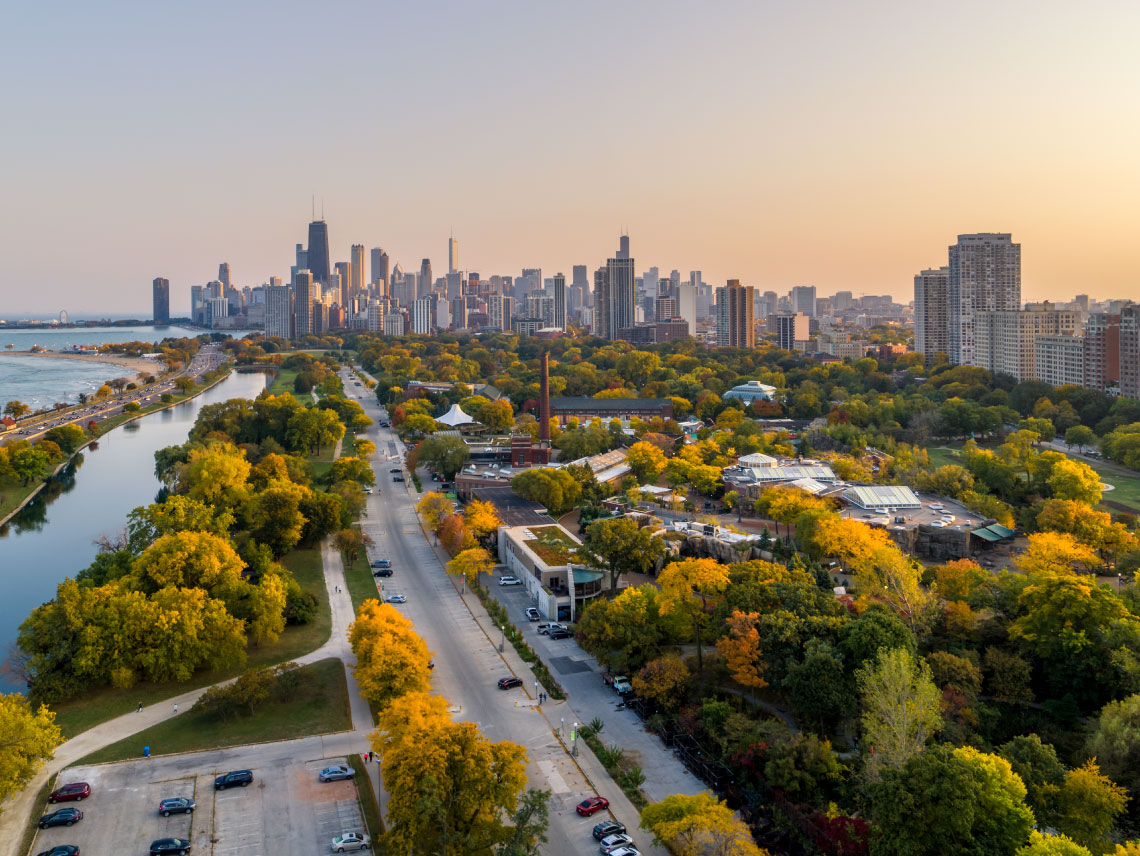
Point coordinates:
pixel 445 454
pixel 350 469
pixel 646 461
pixel 1051 845
pixel 29 464
pixel 818 688
pixel 67 437
pixel 900 707
pixel 1115 741
pixel 686 587
pixel 274 516
pixel 557 490
pixel 529 824
pixel 620 546
pixel 1080 436
pixel 1071 479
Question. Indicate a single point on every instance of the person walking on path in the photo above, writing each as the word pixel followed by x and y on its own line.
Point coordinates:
pixel 176 707
pixel 140 707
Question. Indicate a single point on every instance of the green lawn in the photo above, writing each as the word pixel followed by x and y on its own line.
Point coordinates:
pixel 362 585
pixel 943 457
pixel 103 703
pixel 319 706
pixel 12 494
pixel 40 807
pixel 283 382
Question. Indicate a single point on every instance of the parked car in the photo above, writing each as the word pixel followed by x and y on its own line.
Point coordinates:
pixel 509 580
pixel 338 771
pixel 592 805
pixel 176 805
pixel 234 777
pixel 73 791
pixel 395 470
pixel 622 685
pixel 396 598
pixel 382 563
pixel 61 850
pixel 559 633
pixel 61 817
pixel 350 841
pixel 382 572
pixel 546 626
pixel 366 490
pixel 613 842
pixel 397 478
pixel 163 846
pixel 625 851
pixel 509 683
pixel 608 827
pixel 532 614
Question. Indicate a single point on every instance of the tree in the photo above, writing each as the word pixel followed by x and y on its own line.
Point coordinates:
pixel 646 461
pixel 29 464
pixel 876 629
pixel 469 564
pixel 741 649
pixel 818 688
pixel 350 543
pixel 531 819
pixel 1115 741
pixel 391 658
pixel 445 454
pixel 481 518
pixel 190 560
pixel 16 409
pixel 350 469
pixel 267 609
pixel 557 490
pixel 28 737
pixel 664 680
pixel 434 507
pixel 274 516
pixel 619 545
pixel 625 633
pixel 948 800
pixel 216 476
pixel 1051 845
pixel 67 437
pixel 697 825
pixel 1051 553
pixel 1088 805
pixel 1071 479
pixel 183 384
pixel 901 708
pixel 686 587
pixel 1080 436
pixel 453 535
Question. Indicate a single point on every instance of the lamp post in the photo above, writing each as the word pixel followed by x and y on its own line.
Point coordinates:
pixel 574 739
pixel 502 638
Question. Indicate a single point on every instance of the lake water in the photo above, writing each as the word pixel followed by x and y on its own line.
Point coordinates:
pixel 52 537
pixel 41 382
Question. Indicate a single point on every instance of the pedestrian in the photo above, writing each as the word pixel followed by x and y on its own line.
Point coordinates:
pixel 140 707
pixel 176 707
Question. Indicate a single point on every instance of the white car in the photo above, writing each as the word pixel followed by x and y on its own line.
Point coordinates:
pixel 625 851
pixel 350 841
pixel 510 581
pixel 612 842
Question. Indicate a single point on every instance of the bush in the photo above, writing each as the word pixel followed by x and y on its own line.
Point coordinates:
pixel 166 398
pixel 131 407
pixel 300 605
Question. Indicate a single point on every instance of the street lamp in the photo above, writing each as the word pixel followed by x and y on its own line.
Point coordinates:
pixel 502 638
pixel 574 739
pixel 536 691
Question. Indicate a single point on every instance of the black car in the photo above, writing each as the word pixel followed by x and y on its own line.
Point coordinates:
pixel 169 845
pixel 61 850
pixel 234 777
pixel 560 633
pixel 61 817
pixel 508 683
pixel 607 828
pixel 397 478
pixel 176 805
pixel 382 572
pixel 395 470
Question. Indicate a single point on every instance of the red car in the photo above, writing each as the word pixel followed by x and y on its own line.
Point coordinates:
pixel 74 791
pixel 591 805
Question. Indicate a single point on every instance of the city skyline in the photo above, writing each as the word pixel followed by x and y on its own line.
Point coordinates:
pixel 767 148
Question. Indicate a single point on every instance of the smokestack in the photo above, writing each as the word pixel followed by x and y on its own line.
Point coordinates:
pixel 544 399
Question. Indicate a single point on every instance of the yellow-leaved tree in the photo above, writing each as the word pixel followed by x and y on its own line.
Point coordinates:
pixel 434 508
pixel 28 737
pixel 481 518
pixel 391 658
pixel 741 649
pixel 698 824
pixel 1055 553
pixel 687 586
pixel 469 564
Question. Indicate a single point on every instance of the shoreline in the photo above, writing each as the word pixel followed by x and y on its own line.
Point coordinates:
pixel 138 365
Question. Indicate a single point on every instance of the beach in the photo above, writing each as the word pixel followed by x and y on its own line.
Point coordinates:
pixel 41 379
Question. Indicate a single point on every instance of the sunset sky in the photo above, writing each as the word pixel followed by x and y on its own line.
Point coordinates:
pixel 838 144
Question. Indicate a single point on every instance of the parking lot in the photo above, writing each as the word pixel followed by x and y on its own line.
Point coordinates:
pixel 285 810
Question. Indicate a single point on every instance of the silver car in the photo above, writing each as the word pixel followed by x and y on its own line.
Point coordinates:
pixel 351 841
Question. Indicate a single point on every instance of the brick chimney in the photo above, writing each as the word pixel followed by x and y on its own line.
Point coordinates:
pixel 544 400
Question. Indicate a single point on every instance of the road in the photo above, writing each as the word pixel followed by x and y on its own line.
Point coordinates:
pixel 209 357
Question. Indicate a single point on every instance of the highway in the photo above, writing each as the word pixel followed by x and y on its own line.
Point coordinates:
pixel 467 662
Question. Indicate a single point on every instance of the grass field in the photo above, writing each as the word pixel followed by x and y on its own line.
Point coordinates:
pixel 319 705
pixel 103 703
pixel 283 382
pixel 361 584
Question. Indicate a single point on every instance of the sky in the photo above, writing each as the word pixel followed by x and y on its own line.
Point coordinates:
pixel 843 145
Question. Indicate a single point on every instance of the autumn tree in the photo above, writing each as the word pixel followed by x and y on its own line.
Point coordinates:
pixel 1074 480
pixel 663 680
pixel 351 542
pixel 1088 804
pixel 352 469
pixel 274 515
pixel 698 824
pixel 687 586
pixel 434 507
pixel 646 461
pixel 529 823
pixel 741 650
pixel 627 632
pixel 216 476
pixel 453 535
pixel 146 523
pixel 266 609
pixel 469 564
pixel 190 560
pixel 28 737
pixel 1056 845
pixel 391 658
pixel 445 454
pixel 557 490
pixel 1054 553
pixel 900 707
pixel 621 546
pixel 481 518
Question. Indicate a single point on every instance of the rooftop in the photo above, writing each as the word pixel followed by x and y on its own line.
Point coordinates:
pixel 617 405
pixel 513 510
pixel 882 496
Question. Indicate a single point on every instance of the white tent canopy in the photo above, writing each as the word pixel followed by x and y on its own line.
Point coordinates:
pixel 455 417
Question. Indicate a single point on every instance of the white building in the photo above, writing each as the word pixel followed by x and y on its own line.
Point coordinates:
pixel 1060 360
pixel 985 276
pixel 751 391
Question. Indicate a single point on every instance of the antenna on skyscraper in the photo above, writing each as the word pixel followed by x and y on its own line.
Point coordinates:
pixel 314 206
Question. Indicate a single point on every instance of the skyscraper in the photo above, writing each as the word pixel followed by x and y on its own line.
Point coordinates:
pixel 452 255
pixel 614 293
pixel 303 304
pixel 791 329
pixel 1130 350
pixel 932 313
pixel 198 304
pixel 317 255
pixel 582 281
pixel 425 282
pixel 558 292
pixel 160 296
pixel 380 272
pixel 357 285
pixel 279 311
pixel 734 325
pixel 602 318
pixel 985 276
pixel 1102 352
pixel 224 278
pixel 803 300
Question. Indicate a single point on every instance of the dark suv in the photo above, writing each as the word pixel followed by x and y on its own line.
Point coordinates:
pixel 235 777
pixel 61 817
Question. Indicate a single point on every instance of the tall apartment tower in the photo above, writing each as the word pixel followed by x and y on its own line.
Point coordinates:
pixel 379 272
pixel 803 300
pixel 160 296
pixel 985 276
pixel 558 292
pixel 734 327
pixel 1130 350
pixel 1102 351
pixel 452 255
pixel 344 272
pixel 357 256
pixel 303 303
pixel 279 311
pixel 198 304
pixel 317 255
pixel 582 280
pixel 932 313
pixel 615 300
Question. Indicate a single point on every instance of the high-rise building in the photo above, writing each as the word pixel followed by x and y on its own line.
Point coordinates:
pixel 279 311
pixel 734 326
pixel 224 278
pixel 357 271
pixel 1130 350
pixel 198 304
pixel 985 276
pixel 424 286
pixel 423 314
pixel 1060 360
pixel 452 255
pixel 803 300
pixel 582 281
pixel 687 305
pixel 160 298
pixel 558 293
pixel 615 300
pixel 665 309
pixel 932 313
pixel 1006 342
pixel 317 255
pixel 1102 352
pixel 303 304
pixel 842 300
pixel 792 328
pixel 395 324
pixel 344 271
pixel 379 272
pixel 217 308
pixel 302 258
